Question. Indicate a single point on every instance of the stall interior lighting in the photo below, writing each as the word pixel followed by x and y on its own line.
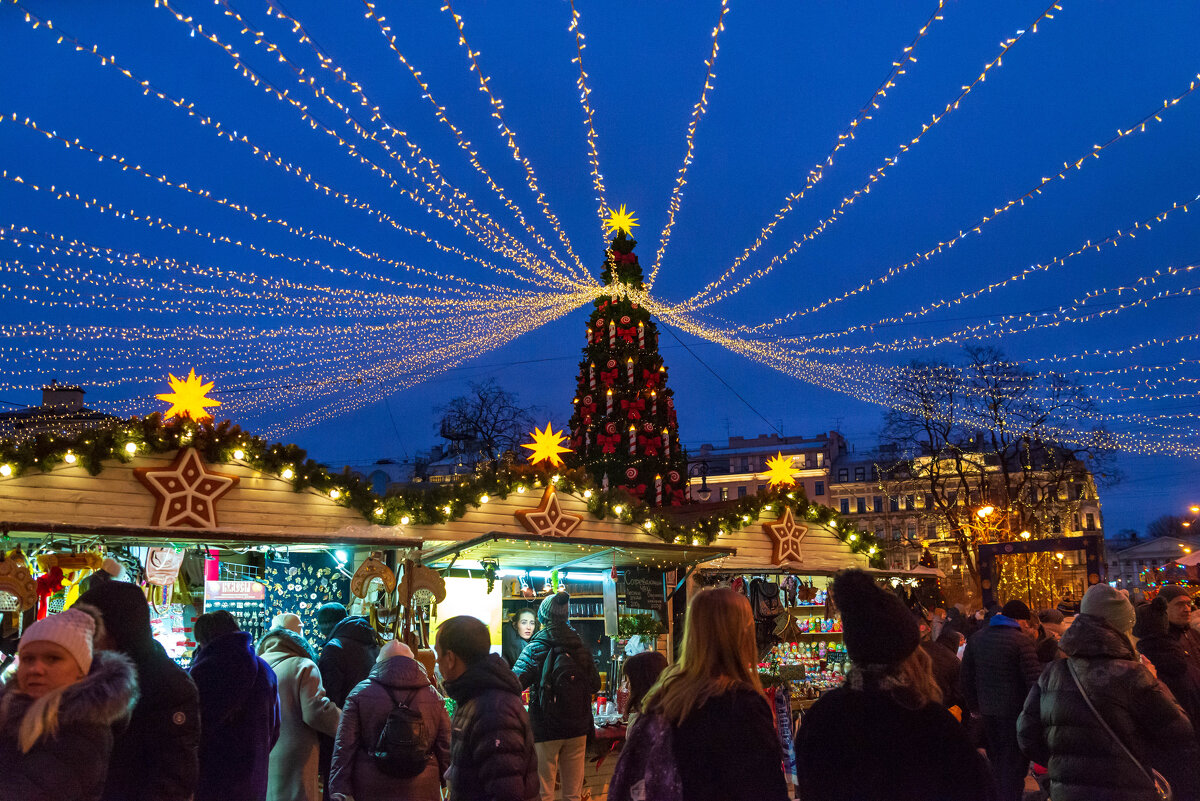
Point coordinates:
pixel 511 573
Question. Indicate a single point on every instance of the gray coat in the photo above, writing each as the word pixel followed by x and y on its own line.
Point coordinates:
pixel 354 773
pixel 305 711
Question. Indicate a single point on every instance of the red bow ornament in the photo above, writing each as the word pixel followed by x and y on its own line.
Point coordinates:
pixel 625 258
pixel 608 377
pixel 651 377
pixel 633 409
pixel 677 497
pixel 649 445
pixel 627 334
pixel 636 491
pixel 608 444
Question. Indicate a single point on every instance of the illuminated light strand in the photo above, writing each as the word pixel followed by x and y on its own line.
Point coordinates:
pixel 976 229
pixel 1058 261
pixel 847 134
pixel 698 110
pixel 510 138
pixel 103 208
pixel 376 116
pixel 876 175
pixel 824 375
pixel 282 95
pixel 257 216
pixel 482 219
pixel 150 90
pixel 585 93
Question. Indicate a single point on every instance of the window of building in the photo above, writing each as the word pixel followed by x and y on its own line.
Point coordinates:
pixel 724 493
pixel 741 492
pixel 803 459
pixel 929 500
pixel 1056 527
pixel 1077 526
pixel 861 505
pixel 894 504
pixel 912 531
pixel 1091 522
pixel 820 459
pixel 745 463
pixel 819 488
pixel 845 506
pixel 860 474
pixel 952 498
pixel 931 531
pixel 761 488
pixel 878 499
pixel 879 531
pixel 843 474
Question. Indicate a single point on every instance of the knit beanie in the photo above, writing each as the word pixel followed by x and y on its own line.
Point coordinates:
pixel 73 629
pixel 1016 610
pixel 1103 601
pixel 328 616
pixel 554 609
pixel 1171 591
pixel 126 615
pixel 1151 619
pixel 877 627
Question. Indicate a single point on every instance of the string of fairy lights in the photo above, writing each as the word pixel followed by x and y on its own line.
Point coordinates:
pixel 330 322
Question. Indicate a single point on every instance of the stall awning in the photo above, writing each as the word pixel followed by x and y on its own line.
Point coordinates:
pixel 1190 560
pixel 350 537
pixel 534 552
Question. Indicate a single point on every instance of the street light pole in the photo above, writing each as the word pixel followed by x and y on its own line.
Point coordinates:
pixel 1025 535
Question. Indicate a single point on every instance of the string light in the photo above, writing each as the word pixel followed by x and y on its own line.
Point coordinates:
pixel 585 93
pixel 698 110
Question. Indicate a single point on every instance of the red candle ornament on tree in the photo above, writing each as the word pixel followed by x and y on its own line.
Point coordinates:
pixel 632 441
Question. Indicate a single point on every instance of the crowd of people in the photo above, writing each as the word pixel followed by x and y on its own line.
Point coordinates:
pixel 1099 700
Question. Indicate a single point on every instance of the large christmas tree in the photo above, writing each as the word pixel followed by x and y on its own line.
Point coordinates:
pixel 624 430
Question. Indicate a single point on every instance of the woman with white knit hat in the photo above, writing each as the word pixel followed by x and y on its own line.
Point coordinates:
pixel 57 714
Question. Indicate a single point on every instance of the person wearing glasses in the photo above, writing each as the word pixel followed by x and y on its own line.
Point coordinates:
pixel 1179 614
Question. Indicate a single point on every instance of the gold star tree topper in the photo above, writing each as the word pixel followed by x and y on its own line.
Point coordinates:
pixel 546 446
pixel 779 470
pixel 621 220
pixel 189 397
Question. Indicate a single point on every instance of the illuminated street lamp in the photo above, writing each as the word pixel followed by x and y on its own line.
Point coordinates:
pixel 985 511
pixel 1025 535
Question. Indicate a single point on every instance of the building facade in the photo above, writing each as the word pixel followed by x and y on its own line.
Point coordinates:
pixel 735 470
pixel 61 413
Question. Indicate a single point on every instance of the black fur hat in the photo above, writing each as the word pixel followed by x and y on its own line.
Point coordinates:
pixel 878 628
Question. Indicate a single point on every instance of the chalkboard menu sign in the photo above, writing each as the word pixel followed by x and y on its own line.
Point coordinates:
pixel 644 590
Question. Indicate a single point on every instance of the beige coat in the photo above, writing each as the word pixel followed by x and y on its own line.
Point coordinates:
pixel 305 710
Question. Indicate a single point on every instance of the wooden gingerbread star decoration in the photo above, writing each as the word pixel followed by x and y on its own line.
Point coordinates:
pixel 185 493
pixel 786 536
pixel 549 520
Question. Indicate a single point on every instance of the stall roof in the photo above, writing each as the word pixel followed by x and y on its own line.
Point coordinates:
pixel 920 571
pixel 532 551
pixel 357 536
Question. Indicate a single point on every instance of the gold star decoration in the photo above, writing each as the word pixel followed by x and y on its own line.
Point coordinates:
pixel 185 493
pixel 786 536
pixel 546 446
pixel 548 520
pixel 779 470
pixel 188 397
pixel 621 220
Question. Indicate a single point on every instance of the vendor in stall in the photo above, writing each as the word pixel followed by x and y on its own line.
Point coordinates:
pixel 520 630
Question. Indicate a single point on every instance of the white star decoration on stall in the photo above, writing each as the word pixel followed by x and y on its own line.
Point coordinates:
pixel 185 493
pixel 549 520
pixel 786 536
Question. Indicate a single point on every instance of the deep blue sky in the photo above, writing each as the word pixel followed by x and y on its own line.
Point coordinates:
pixel 789 77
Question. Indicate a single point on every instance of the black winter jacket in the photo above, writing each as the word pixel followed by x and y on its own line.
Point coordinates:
pixel 1170 659
pixel 838 758
pixel 998 668
pixel 728 750
pixel 578 723
pixel 72 764
pixel 239 719
pixel 491 742
pixel 947 672
pixel 1057 728
pixel 348 657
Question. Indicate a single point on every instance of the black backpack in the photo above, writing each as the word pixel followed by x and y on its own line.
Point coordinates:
pixel 564 690
pixel 402 750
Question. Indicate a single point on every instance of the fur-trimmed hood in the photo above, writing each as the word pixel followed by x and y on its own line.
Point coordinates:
pixel 279 644
pixel 104 696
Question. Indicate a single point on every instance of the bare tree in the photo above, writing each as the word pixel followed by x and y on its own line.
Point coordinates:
pixel 990 433
pixel 488 419
pixel 1168 526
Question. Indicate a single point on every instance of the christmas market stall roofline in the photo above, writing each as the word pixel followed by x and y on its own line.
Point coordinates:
pixel 225 443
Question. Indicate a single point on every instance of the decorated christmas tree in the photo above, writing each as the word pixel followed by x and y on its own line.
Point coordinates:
pixel 623 430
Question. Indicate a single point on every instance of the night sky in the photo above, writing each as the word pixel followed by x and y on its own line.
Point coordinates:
pixel 789 78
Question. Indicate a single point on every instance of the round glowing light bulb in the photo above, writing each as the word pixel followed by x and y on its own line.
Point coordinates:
pixel 70 458
pixel 618 509
pixel 852 537
pixel 447 509
pixel 484 499
pixel 5 470
pixel 239 454
pixel 379 511
pixel 587 493
pixel 131 447
pixel 335 494
pixel 288 473
pixel 520 490
pixel 649 525
pixel 404 521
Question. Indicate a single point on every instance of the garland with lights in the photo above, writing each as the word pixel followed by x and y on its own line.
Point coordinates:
pixel 224 443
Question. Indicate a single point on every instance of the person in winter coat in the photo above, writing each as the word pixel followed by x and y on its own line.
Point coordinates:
pixel 891 693
pixel 1052 627
pixel 946 669
pixel 349 655
pixel 1059 730
pixel 1166 654
pixel 517 634
pixel 998 668
pixel 156 758
pixel 57 715
pixel 306 711
pixel 239 711
pixel 492 756
pixel 395 679
pixel 1179 616
pixel 638 674
pixel 561 736
pixel 706 731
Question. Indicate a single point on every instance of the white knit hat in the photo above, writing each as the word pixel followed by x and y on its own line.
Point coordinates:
pixel 73 629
